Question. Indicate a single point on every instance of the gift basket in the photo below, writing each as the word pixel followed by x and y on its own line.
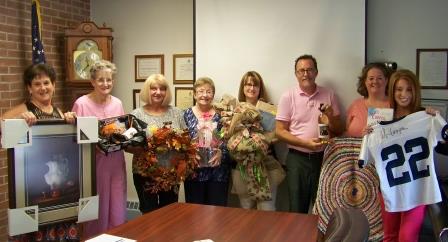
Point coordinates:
pixel 116 133
pixel 208 141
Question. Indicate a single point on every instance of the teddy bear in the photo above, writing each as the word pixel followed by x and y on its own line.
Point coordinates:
pixel 226 107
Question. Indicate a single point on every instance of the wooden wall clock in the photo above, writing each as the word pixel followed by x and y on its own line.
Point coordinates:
pixel 84 45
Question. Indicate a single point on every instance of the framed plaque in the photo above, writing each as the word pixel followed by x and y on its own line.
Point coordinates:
pixel 183 68
pixel 184 97
pixel 136 103
pixel 432 68
pixel 146 65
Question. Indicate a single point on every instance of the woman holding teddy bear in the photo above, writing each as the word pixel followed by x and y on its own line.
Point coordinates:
pixel 252 90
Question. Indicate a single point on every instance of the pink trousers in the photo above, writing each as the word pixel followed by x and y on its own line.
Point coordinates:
pixel 111 189
pixel 402 226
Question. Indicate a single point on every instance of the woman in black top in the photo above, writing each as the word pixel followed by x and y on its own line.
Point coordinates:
pixel 39 80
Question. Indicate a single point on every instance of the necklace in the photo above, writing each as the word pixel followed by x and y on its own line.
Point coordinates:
pixel 44 109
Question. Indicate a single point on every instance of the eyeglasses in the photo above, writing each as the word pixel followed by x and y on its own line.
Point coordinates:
pixel 309 71
pixel 104 80
pixel 206 92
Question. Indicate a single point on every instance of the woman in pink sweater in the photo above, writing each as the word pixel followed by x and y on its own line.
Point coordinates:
pixel 372 85
pixel 110 169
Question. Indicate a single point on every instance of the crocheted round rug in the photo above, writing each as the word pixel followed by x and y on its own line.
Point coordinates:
pixel 343 184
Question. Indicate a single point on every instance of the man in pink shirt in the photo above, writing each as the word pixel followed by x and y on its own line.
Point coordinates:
pixel 297 125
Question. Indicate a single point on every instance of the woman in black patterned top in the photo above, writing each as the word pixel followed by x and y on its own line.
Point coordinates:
pixel 39 80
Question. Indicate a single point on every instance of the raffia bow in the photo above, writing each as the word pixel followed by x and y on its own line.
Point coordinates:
pixel 249 147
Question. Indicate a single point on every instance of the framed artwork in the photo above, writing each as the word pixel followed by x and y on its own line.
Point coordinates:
pixel 439 104
pixel 53 173
pixel 184 97
pixel 146 65
pixel 432 68
pixel 183 68
pixel 136 103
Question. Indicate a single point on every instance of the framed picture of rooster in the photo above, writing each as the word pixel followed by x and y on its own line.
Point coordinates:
pixel 54 172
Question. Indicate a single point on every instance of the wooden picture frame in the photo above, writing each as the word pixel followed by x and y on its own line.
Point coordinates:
pixel 136 103
pixel 184 97
pixel 146 65
pixel 53 173
pixel 183 65
pixel 432 68
pixel 438 104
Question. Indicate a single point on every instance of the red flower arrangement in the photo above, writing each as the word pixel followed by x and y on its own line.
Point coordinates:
pixel 179 162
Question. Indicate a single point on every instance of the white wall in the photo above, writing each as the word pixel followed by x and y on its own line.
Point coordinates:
pixel 235 36
pixel 258 35
pixel 396 29
pixel 144 27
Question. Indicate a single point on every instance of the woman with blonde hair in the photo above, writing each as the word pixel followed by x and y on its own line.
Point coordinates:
pixel 156 95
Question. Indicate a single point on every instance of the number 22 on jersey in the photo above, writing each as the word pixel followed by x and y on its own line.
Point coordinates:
pixel 400 152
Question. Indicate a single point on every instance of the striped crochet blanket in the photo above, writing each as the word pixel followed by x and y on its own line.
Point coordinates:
pixel 343 184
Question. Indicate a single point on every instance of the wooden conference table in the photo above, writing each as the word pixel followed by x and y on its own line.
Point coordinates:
pixel 183 222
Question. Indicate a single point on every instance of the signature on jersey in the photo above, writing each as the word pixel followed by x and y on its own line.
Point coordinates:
pixel 388 132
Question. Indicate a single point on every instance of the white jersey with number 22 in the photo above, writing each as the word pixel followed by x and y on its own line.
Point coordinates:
pixel 403 154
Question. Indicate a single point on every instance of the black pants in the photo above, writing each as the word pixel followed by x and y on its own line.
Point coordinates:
pixel 206 192
pixel 303 179
pixel 151 201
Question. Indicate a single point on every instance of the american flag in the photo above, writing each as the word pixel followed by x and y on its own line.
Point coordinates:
pixel 38 48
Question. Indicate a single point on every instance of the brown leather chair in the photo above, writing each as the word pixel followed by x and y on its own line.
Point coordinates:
pixel 347 225
pixel 443 236
pixel 438 214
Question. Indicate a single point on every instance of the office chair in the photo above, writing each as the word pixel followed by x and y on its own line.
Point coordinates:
pixel 347 225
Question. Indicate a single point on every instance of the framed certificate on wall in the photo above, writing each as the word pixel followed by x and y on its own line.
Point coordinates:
pixel 146 65
pixel 183 68
pixel 184 97
pixel 136 103
pixel 432 68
